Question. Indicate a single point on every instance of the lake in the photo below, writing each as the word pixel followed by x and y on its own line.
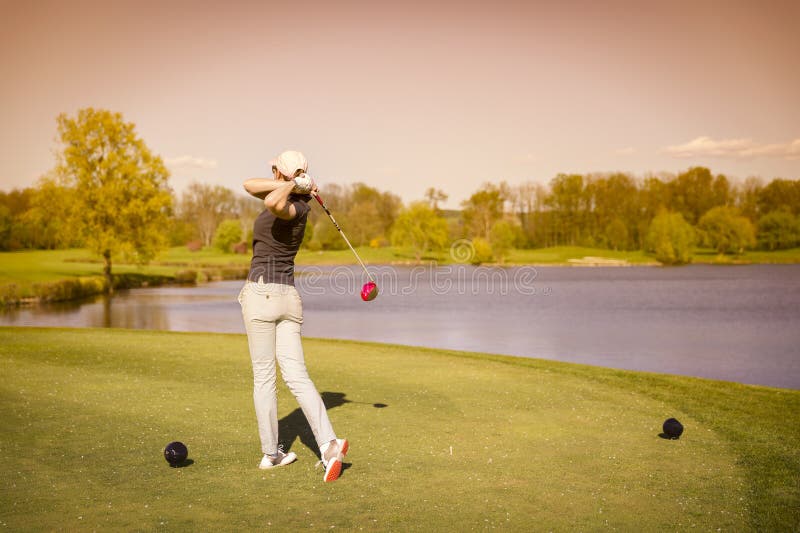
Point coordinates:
pixel 735 323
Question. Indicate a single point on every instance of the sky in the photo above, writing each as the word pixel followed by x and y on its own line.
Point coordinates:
pixel 410 95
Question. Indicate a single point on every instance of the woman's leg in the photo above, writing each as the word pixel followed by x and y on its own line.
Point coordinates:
pixel 261 340
pixel 293 367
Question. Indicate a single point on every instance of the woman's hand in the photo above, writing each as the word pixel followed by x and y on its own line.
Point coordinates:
pixel 303 184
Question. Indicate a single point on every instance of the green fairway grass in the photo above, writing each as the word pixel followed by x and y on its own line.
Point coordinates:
pixel 457 442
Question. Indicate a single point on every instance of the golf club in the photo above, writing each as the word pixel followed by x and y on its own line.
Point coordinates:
pixel 370 289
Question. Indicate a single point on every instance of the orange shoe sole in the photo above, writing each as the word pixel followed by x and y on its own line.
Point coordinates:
pixel 333 470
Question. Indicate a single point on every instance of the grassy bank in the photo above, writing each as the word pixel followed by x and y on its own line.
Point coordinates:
pixel 59 275
pixel 70 274
pixel 465 441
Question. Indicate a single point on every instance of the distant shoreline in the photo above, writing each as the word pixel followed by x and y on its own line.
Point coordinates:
pixel 29 277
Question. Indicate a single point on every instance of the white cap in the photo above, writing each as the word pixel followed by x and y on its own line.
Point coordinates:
pixel 290 162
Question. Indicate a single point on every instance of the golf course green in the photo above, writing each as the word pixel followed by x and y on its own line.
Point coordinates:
pixel 440 441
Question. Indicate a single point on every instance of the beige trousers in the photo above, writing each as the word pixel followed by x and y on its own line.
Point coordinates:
pixel 273 314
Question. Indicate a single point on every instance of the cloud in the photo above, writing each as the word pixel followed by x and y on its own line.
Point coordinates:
pixel 628 150
pixel 734 149
pixel 186 162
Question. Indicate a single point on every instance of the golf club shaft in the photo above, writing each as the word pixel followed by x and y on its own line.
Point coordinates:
pixel 319 199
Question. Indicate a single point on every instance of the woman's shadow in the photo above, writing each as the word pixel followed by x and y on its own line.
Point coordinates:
pixel 295 426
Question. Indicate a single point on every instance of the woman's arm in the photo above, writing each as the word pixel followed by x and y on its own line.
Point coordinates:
pixel 277 201
pixel 261 187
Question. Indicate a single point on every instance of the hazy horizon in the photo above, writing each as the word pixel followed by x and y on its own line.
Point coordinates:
pixel 405 97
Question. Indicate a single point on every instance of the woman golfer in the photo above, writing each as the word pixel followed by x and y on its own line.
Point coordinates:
pixel 273 313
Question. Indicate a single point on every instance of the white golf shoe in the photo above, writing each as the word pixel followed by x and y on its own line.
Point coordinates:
pixel 279 459
pixel 332 459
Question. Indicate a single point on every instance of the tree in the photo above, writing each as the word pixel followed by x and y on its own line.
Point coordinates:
pixel 248 211
pixel 6 227
pixel 325 236
pixel 434 196
pixel 482 210
pixel 778 230
pixel 747 197
pixel 567 199
pixel 529 203
pixel 121 199
pixel 615 202
pixel 502 237
pixel 370 213
pixel 421 228
pixel 780 194
pixel 670 238
pixel 206 206
pixel 694 192
pixel 41 226
pixel 228 233
pixel 723 229
pixel 617 235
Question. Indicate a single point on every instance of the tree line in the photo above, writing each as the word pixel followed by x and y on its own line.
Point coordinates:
pixel 109 193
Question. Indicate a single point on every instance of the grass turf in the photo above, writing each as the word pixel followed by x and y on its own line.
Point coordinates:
pixel 465 441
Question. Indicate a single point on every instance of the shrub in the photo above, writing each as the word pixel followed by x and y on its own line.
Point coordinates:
pixel 482 251
pixel 670 238
pixel 502 239
pixel 228 233
pixel 69 289
pixel 188 277
pixel 723 229
pixel 778 230
pixel 421 228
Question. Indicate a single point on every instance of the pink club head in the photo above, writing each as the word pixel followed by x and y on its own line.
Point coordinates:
pixel 369 291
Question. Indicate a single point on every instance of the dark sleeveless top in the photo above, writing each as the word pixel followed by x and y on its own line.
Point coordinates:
pixel 276 241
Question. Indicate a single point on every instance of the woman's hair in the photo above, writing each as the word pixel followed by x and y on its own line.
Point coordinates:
pixel 297 172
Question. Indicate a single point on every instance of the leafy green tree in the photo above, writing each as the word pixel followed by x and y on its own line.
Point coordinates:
pixel 42 226
pixel 780 194
pixel 421 228
pixel 482 210
pixel 6 227
pixel 16 202
pixel 205 206
pixel 247 211
pixel 122 200
pixel 568 201
pixel 615 200
pixel 501 238
pixel 747 195
pixel 670 238
pixel 617 235
pixel 366 212
pixel 325 236
pixel 529 204
pixel 778 230
pixel 696 191
pixel 723 229
pixel 362 222
pixel 229 232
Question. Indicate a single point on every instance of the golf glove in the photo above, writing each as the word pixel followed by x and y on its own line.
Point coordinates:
pixel 303 184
